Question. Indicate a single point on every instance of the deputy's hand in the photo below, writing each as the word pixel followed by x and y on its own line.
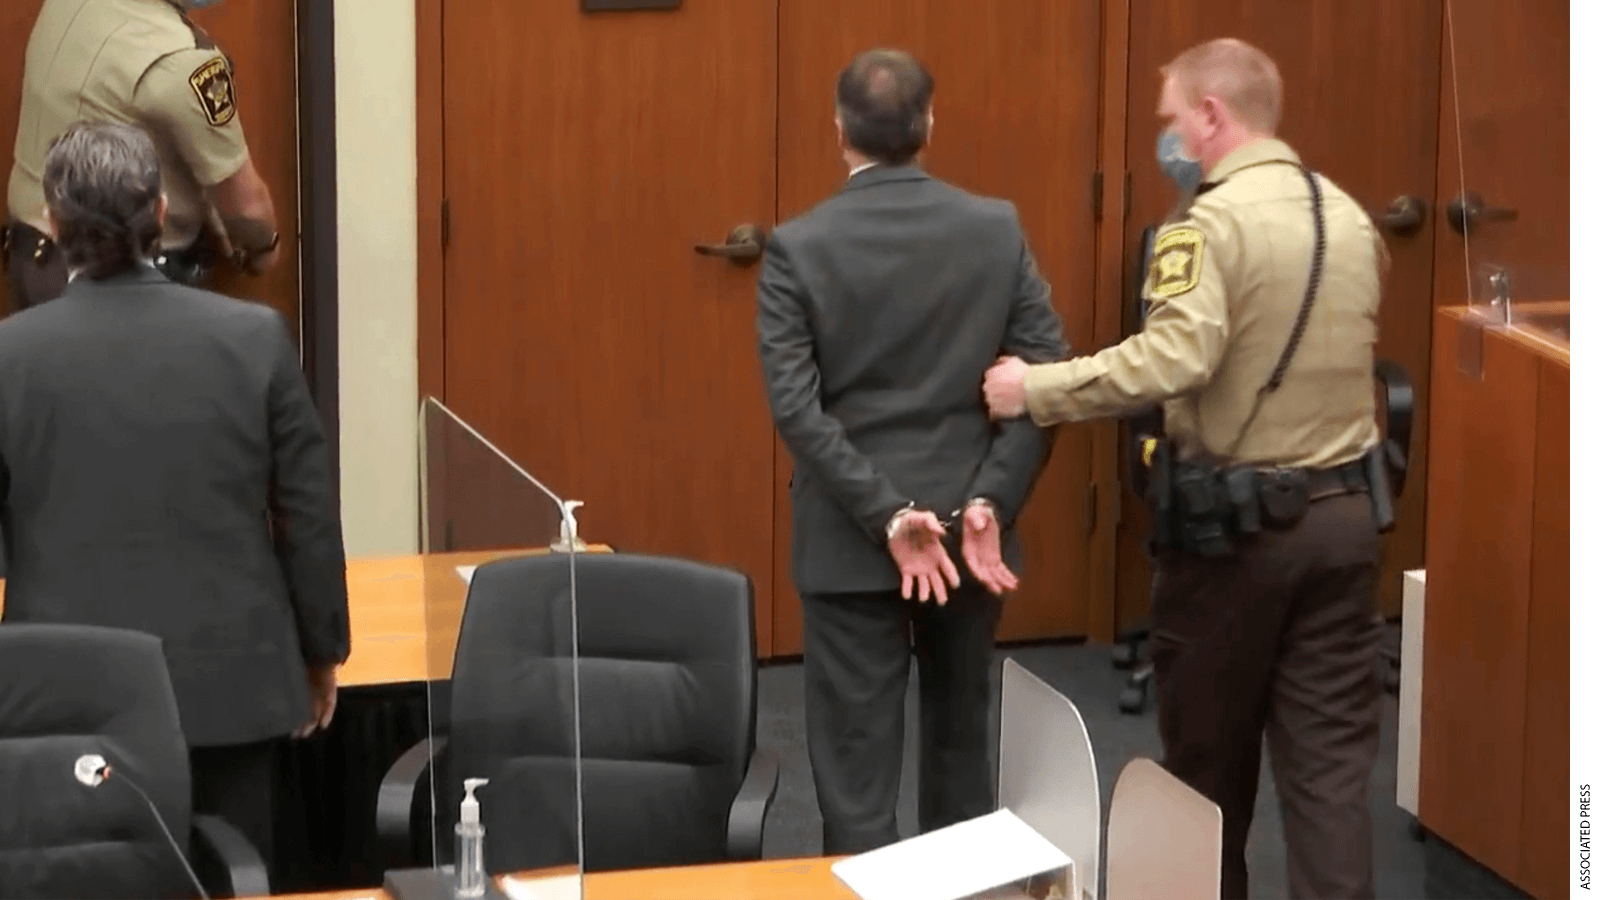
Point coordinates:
pixel 980 547
pixel 922 559
pixel 1003 390
pixel 324 684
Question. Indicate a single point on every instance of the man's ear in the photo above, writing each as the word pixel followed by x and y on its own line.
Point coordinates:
pixel 1214 114
pixel 161 210
pixel 838 125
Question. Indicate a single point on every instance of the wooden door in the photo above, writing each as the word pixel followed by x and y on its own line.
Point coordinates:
pixel 585 155
pixel 1016 107
pixel 260 37
pixel 1361 106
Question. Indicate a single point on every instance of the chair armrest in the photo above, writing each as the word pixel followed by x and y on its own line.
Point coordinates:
pixel 1399 408
pixel 747 820
pixel 223 849
pixel 396 795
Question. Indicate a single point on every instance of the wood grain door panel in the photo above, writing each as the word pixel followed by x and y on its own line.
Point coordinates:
pixel 259 36
pixel 1016 109
pixel 1480 490
pixel 1361 101
pixel 584 157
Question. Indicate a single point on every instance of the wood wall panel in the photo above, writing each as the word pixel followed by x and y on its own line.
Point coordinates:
pixel 1546 800
pixel 430 198
pixel 16 24
pixel 1476 634
pixel 1111 286
pixel 1513 140
pixel 259 36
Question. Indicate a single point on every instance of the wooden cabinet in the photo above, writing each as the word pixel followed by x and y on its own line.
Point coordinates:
pixel 1494 745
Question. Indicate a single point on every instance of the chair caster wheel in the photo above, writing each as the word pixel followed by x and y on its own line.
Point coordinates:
pixel 1123 656
pixel 1132 699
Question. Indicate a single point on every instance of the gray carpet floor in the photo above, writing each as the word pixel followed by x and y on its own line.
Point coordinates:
pixel 1083 673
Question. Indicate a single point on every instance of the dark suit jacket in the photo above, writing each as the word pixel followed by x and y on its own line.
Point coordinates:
pixel 162 468
pixel 880 311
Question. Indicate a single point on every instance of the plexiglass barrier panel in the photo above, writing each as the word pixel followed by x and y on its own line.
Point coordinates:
pixel 504 783
pixel 1506 91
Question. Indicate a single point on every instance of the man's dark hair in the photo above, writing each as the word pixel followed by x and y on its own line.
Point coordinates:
pixel 883 98
pixel 102 182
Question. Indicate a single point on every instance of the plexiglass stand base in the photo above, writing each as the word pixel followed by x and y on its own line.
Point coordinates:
pixel 431 884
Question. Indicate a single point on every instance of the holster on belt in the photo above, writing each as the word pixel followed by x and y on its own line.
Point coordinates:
pixel 1207 510
pixel 21 235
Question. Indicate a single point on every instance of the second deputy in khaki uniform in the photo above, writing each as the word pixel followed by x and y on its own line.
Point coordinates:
pixel 1275 634
pixel 145 63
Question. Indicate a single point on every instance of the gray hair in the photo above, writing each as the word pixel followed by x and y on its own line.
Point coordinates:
pixel 102 183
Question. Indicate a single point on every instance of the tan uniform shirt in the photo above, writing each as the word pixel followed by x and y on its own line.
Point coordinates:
pixel 1226 283
pixel 137 62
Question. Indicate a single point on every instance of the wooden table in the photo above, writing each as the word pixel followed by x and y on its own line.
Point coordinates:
pixel 405 614
pixel 771 879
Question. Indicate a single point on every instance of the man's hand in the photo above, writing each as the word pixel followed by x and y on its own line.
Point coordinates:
pixel 980 547
pixel 1003 390
pixel 922 558
pixel 324 683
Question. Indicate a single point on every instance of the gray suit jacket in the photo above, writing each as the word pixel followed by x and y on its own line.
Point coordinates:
pixel 162 468
pixel 880 310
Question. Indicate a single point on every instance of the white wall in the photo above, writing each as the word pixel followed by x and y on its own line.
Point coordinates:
pixel 375 56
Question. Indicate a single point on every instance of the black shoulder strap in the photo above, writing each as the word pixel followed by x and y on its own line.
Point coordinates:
pixel 1318 254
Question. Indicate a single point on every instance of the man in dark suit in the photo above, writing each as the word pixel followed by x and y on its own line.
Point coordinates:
pixel 162 468
pixel 880 309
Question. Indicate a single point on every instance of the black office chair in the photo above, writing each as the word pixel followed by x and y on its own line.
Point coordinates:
pixel 71 690
pixel 667 691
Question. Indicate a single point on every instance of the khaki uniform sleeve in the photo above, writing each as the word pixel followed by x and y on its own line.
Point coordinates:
pixel 188 98
pixel 1182 340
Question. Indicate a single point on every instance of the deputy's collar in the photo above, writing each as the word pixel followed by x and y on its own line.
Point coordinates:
pixel 1258 152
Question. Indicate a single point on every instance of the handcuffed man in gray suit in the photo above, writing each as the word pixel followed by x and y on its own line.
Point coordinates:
pixel 880 309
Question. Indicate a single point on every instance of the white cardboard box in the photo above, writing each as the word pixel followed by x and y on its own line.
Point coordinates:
pixel 1410 731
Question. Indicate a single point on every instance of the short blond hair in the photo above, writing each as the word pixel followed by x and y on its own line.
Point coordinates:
pixel 1236 73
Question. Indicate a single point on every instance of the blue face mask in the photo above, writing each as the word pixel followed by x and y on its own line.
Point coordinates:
pixel 1176 164
pixel 199 4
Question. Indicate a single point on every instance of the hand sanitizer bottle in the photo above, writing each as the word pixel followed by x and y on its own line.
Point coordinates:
pixel 470 877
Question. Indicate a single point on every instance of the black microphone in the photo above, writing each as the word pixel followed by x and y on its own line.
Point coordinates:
pixel 92 770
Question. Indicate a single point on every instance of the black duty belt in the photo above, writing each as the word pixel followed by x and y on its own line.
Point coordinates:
pixel 28 239
pixel 1350 478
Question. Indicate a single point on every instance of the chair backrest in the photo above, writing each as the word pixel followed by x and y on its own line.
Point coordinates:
pixel 1164 839
pixel 70 690
pixel 667 671
pixel 1048 777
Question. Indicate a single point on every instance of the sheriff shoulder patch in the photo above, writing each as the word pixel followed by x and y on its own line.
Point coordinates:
pixel 213 87
pixel 1175 262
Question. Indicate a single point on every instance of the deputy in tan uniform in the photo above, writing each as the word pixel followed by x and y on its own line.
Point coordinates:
pixel 1267 543
pixel 140 62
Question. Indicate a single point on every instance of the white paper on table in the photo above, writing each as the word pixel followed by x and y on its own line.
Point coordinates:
pixel 466 573
pixel 553 887
pixel 953 863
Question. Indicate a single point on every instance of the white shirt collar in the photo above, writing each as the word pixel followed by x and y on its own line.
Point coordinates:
pixel 861 168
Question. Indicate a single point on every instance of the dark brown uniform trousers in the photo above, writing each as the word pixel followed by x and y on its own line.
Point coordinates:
pixel 1279 638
